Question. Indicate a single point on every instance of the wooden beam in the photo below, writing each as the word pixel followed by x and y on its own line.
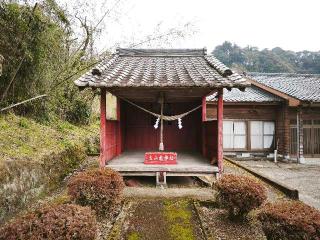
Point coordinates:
pixel 151 95
pixel 220 130
pixel 103 128
pixel 293 102
pixel 246 103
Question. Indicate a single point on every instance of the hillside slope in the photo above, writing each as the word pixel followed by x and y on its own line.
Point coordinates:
pixel 35 158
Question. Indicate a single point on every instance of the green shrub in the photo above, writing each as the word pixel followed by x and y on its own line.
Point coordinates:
pixel 99 188
pixel 93 145
pixel 64 221
pixel 79 112
pixel 239 194
pixel 62 164
pixel 290 220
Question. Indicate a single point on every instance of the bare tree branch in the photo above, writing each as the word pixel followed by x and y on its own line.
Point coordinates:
pixel 105 14
pixel 74 74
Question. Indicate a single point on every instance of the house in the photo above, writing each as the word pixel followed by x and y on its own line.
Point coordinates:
pixel 278 111
pixel 161 108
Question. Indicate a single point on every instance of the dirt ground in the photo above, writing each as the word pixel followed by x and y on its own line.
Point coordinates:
pixel 218 226
pixel 305 178
pixel 170 219
pixel 180 219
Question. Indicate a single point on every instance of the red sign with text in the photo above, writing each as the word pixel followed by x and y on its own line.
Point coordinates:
pixel 160 158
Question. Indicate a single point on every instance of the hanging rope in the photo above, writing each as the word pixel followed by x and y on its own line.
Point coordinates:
pixel 161 117
pixel 161 145
pixel 164 117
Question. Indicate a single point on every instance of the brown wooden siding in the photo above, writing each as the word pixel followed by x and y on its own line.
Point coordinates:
pixel 283 129
pixel 246 112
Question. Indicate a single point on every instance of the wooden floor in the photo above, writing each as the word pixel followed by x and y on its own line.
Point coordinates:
pixel 188 164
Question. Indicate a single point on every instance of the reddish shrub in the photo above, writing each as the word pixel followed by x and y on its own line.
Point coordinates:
pixel 240 194
pixel 99 188
pixel 65 221
pixel 290 220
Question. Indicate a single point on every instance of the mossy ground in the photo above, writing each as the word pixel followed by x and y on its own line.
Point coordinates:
pixel 162 219
pixel 179 217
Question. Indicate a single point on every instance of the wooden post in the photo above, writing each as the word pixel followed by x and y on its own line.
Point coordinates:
pixel 119 132
pixel 300 156
pixel 103 128
pixel 204 109
pixel 220 130
pixel 286 131
pixel 204 118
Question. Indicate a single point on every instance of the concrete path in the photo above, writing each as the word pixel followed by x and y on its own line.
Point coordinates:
pixel 304 178
pixel 202 194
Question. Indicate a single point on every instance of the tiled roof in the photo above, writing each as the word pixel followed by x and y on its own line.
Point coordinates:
pixel 251 94
pixel 305 87
pixel 161 68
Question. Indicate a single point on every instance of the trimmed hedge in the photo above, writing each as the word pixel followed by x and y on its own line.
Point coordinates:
pixel 290 220
pixel 239 194
pixel 99 188
pixel 64 221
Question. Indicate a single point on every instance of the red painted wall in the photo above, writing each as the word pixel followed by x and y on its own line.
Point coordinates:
pixel 111 137
pixel 139 133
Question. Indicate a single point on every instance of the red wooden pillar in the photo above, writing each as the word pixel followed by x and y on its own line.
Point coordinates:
pixel 204 109
pixel 204 118
pixel 103 128
pixel 220 130
pixel 119 133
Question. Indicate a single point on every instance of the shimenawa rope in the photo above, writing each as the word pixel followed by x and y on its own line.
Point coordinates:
pixel 161 117
pixel 166 118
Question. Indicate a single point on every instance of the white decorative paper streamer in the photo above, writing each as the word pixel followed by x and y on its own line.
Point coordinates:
pixel 156 125
pixel 179 123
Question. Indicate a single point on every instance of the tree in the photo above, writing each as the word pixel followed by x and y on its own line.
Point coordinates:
pixel 252 59
pixel 37 47
pixel 46 47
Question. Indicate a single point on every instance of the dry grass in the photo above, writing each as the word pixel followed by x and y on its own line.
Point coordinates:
pixel 25 139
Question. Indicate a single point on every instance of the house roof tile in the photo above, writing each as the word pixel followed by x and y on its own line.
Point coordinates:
pixel 250 94
pixel 305 87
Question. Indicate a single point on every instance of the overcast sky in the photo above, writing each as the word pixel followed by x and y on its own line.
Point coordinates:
pixel 291 25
